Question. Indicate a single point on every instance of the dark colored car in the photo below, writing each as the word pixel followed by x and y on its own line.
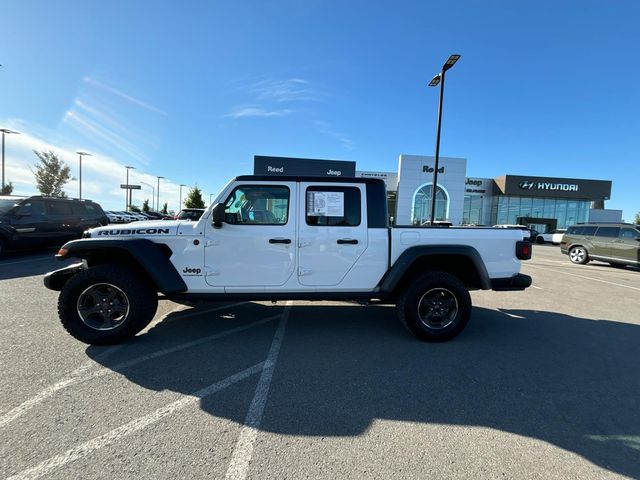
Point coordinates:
pixel 615 243
pixel 30 222
pixel 190 214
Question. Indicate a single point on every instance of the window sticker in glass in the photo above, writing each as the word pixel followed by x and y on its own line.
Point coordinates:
pixel 325 204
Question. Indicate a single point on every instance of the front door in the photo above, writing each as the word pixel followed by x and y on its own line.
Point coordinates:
pixel 256 246
pixel 332 231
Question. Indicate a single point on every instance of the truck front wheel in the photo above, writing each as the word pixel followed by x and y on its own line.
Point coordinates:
pixel 435 307
pixel 106 304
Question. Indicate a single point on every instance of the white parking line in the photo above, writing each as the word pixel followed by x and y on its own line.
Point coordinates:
pixel 587 278
pixel 77 375
pixel 241 457
pixel 536 287
pixel 74 377
pixel 117 434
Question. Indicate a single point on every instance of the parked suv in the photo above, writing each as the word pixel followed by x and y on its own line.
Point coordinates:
pixel 28 222
pixel 615 243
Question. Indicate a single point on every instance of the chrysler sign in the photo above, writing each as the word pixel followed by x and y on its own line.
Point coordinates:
pixel 565 187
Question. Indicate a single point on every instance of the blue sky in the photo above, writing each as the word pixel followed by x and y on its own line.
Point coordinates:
pixel 192 90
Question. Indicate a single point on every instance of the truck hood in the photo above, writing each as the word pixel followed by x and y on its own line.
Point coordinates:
pixel 146 228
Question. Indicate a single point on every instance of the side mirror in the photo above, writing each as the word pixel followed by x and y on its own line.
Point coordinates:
pixel 217 214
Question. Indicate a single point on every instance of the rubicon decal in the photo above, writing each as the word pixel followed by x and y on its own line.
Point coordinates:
pixel 135 231
pixel 565 187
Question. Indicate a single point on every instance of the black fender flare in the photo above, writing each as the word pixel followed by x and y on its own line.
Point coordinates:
pixel 397 272
pixel 151 257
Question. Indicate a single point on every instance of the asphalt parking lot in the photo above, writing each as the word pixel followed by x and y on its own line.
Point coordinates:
pixel 542 384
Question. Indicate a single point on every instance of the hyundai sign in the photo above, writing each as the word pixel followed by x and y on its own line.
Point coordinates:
pixel 554 187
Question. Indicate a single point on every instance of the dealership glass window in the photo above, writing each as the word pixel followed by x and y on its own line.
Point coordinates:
pixel 572 212
pixel 537 207
pixel 421 212
pixel 561 213
pixel 472 213
pixel 525 207
pixel 513 212
pixel 549 210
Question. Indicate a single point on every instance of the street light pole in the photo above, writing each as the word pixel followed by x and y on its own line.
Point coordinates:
pixel 128 190
pixel 439 79
pixel 5 131
pixel 80 155
pixel 158 193
pixel 180 205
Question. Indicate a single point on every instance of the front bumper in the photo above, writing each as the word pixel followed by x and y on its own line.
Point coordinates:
pixel 519 281
pixel 55 280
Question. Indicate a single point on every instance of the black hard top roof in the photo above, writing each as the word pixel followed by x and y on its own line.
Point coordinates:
pixel 293 178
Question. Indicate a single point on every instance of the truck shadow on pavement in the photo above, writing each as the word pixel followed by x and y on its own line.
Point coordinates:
pixel 569 381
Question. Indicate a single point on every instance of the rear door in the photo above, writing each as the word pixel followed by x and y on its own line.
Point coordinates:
pixel 627 245
pixel 332 231
pixel 602 241
pixel 30 223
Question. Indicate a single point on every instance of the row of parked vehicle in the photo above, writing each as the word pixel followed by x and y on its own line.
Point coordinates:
pixel 128 217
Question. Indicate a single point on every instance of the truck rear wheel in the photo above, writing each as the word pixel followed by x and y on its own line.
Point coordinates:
pixel 106 304
pixel 435 307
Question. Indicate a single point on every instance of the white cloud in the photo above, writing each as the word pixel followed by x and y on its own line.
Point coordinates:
pixel 284 90
pixel 327 129
pixel 241 111
pixel 101 174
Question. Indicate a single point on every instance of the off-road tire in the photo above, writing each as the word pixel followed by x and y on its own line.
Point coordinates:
pixel 420 291
pixel 141 296
pixel 579 255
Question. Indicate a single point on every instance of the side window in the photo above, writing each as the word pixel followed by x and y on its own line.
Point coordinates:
pixel 33 208
pixel 333 206
pixel 573 231
pixel 258 205
pixel 608 231
pixel 59 208
pixel 630 233
pixel 589 231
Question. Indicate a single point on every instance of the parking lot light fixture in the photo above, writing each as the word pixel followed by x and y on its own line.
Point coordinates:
pixel 439 79
pixel 180 205
pixel 80 155
pixel 158 193
pixel 5 131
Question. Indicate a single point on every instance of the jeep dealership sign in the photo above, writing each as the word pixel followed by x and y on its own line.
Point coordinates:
pixel 554 187
pixel 302 167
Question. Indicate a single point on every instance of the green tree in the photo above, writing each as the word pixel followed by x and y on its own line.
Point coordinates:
pixel 51 174
pixel 7 189
pixel 637 219
pixel 145 206
pixel 134 208
pixel 164 208
pixel 194 198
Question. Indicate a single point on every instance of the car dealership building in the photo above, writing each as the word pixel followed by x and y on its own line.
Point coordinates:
pixel 545 203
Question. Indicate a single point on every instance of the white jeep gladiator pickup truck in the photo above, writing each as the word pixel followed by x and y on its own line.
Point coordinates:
pixel 284 238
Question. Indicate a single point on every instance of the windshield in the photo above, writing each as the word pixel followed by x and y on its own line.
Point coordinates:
pixel 7 204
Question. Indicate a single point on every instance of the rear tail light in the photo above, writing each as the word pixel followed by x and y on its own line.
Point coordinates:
pixel 523 250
